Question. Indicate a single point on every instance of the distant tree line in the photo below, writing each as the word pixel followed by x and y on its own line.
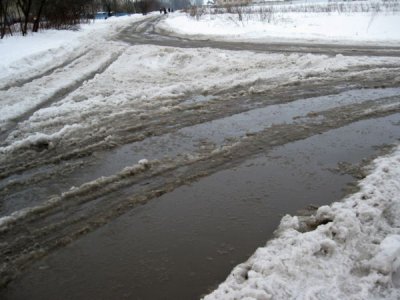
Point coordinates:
pixel 23 16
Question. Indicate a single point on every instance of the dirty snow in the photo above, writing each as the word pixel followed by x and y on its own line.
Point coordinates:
pixel 353 254
pixel 146 78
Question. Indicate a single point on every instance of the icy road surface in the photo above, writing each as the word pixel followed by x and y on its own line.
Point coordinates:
pixel 140 115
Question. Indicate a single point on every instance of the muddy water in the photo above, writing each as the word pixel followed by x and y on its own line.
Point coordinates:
pixel 188 140
pixel 182 244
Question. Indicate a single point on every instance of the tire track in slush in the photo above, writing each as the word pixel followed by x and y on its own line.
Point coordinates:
pixel 147 32
pixel 23 81
pixel 215 107
pixel 65 218
pixel 201 137
pixel 57 95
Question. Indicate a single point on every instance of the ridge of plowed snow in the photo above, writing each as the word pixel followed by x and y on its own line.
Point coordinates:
pixel 353 254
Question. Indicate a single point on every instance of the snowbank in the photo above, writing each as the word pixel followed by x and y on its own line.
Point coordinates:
pixel 15 48
pixel 305 27
pixel 354 253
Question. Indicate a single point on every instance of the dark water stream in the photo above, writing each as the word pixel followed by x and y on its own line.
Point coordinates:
pixel 182 244
pixel 187 140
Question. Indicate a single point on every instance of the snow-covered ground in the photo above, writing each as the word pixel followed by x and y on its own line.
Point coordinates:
pixel 38 50
pixel 315 27
pixel 354 253
pixel 67 56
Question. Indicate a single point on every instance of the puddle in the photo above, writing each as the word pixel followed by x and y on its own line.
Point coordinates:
pixel 187 140
pixel 184 243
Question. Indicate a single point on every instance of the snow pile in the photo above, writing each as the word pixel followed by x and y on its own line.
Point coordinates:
pixel 306 27
pixel 354 253
pixel 39 139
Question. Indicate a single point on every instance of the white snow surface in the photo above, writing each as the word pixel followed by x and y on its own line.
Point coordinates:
pixel 353 254
pixel 351 28
pixel 37 50
pixel 67 56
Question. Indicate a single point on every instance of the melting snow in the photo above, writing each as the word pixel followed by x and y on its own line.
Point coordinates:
pixel 353 254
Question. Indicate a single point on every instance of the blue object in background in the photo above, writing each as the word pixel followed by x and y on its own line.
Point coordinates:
pixel 102 15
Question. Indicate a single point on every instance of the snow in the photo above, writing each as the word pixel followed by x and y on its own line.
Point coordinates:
pixel 77 55
pixel 145 79
pixel 353 254
pixel 37 50
pixel 18 47
pixel 331 27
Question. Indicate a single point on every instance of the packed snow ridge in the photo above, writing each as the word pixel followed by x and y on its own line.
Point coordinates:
pixel 353 252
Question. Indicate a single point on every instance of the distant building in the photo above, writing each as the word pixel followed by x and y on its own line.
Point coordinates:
pixel 244 2
pixel 232 2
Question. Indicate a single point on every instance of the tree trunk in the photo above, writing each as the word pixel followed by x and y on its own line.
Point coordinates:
pixel 38 16
pixel 25 7
pixel 3 18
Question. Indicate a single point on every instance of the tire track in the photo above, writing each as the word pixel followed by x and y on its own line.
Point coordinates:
pixel 32 234
pixel 147 32
pixel 156 122
pixel 56 96
pixel 23 81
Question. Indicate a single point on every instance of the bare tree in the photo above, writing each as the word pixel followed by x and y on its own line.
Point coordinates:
pixel 63 15
pixel 24 9
pixel 60 14
pixel 129 6
pixel 39 9
pixel 5 18
pixel 145 6
pixel 111 6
